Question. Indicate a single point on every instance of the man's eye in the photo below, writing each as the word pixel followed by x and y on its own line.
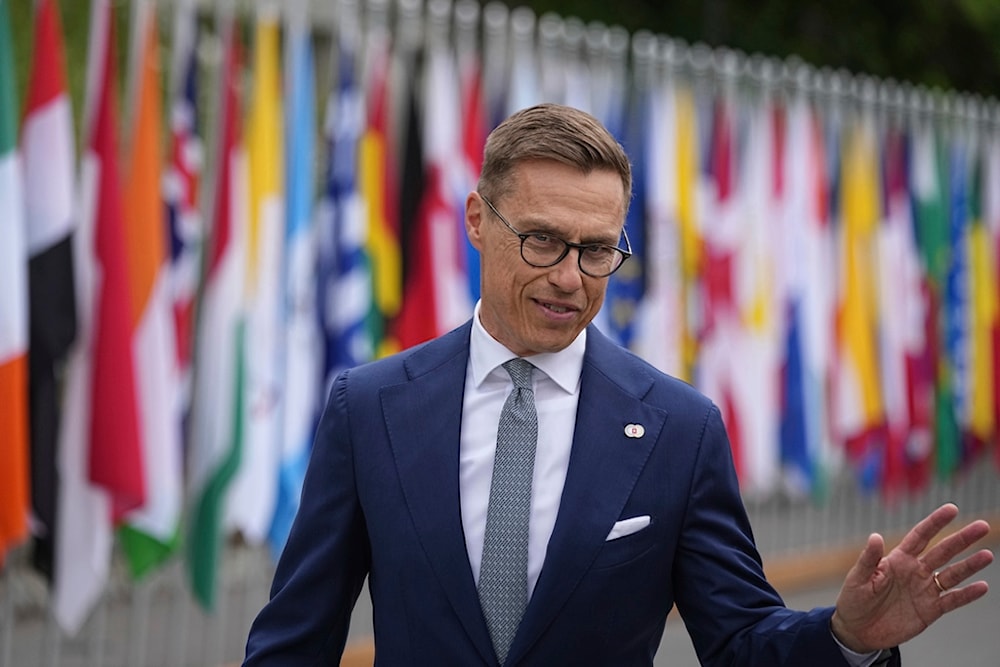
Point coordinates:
pixel 598 250
pixel 543 239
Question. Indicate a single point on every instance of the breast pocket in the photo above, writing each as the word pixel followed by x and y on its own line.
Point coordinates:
pixel 623 550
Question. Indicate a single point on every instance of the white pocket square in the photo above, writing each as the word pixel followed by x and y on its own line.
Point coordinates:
pixel 627 527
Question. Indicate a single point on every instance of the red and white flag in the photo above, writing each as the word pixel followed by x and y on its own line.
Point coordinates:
pixel 100 457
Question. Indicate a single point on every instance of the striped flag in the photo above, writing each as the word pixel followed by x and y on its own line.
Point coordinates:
pixel 303 371
pixel 757 290
pixel 436 295
pixel 181 190
pixel 659 321
pixel 474 128
pixel 689 226
pixel 931 226
pixel 901 330
pixel 345 294
pixel 14 493
pixel 956 303
pixel 984 307
pixel 376 175
pixel 251 502
pixel 818 300
pixel 48 150
pixel 858 400
pixel 217 410
pixel 806 262
pixel 991 215
pixel 149 534
pixel 100 464
pixel 446 188
pixel 412 188
pixel 627 285
pixel 721 310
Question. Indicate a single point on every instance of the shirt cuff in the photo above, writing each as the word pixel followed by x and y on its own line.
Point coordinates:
pixel 857 659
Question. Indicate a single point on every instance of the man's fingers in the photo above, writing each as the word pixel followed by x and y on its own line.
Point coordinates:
pixel 942 552
pixel 956 573
pixel 959 597
pixel 869 559
pixel 921 534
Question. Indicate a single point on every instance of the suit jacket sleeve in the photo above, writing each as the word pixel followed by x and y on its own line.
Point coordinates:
pixel 732 613
pixel 325 561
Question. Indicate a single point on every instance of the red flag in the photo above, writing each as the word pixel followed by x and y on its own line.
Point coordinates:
pixel 115 455
pixel 996 367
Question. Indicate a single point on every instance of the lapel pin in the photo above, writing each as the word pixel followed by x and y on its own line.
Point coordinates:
pixel 634 430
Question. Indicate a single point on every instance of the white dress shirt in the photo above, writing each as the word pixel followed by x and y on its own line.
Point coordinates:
pixel 557 392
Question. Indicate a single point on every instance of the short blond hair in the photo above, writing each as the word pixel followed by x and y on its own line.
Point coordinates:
pixel 551 132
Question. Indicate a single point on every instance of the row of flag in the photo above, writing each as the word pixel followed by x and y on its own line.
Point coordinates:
pixel 175 302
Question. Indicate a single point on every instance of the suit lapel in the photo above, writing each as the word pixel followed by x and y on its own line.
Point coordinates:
pixel 423 416
pixel 604 466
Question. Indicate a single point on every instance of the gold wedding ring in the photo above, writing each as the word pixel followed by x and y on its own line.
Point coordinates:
pixel 937 582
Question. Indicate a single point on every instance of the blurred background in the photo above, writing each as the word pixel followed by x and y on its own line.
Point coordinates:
pixel 213 207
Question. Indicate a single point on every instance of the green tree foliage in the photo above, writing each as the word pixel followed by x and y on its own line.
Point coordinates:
pixel 951 44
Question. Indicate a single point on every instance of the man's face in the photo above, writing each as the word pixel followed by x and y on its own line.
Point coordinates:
pixel 532 310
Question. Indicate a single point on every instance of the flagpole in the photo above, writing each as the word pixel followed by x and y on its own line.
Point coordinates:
pixel 551 30
pixel 671 55
pixel 7 617
pixel 572 49
pixel 643 48
pixel 466 15
pixel 495 68
pixel 522 88
pixel 438 22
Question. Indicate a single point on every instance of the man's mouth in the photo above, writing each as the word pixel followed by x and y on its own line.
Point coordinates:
pixel 555 308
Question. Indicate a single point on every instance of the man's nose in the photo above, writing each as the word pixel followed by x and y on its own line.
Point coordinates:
pixel 566 274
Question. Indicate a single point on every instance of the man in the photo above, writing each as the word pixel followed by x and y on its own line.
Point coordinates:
pixel 483 548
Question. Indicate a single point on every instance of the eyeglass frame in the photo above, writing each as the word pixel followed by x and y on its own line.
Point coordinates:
pixel 625 252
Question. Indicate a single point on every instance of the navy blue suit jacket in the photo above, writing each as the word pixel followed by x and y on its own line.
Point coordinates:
pixel 381 498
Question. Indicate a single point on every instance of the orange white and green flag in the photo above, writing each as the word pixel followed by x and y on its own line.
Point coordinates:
pixel 149 535
pixel 14 495
pixel 216 438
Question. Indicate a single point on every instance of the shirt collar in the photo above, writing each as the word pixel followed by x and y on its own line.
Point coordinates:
pixel 563 367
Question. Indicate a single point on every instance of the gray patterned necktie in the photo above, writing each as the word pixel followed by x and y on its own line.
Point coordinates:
pixel 503 574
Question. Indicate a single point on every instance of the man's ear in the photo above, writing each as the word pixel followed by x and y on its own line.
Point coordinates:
pixel 474 212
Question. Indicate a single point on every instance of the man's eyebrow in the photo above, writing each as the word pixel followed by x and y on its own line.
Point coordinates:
pixel 535 225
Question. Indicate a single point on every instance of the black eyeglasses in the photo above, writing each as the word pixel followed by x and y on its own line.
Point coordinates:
pixel 542 250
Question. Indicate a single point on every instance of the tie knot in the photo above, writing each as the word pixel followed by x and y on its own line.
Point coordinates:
pixel 520 372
